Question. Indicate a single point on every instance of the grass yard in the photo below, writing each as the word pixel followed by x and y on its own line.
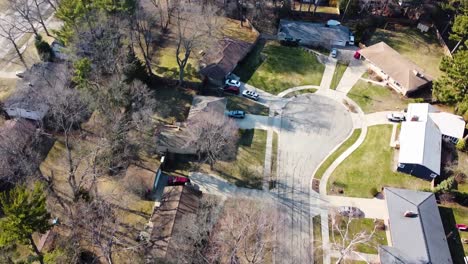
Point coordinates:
pixel 246 105
pixel 247 169
pixel 167 67
pixel 422 48
pixel 452 214
pixel 339 71
pixel 173 103
pixel 348 261
pixel 317 232
pixel 7 86
pixel 320 9
pixel 375 98
pixel 296 93
pixel 274 157
pixel 348 143
pixel 360 225
pixel 275 68
pixel 370 166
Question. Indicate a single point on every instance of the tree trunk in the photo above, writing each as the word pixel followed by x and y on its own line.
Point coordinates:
pixel 41 20
pixel 19 53
pixel 36 250
pixel 346 9
pixel 456 46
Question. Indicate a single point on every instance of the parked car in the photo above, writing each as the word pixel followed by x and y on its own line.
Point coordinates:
pixel 396 117
pixel 334 53
pixel 350 211
pixel 175 180
pixel 462 227
pixel 231 89
pixel 236 114
pixel 251 94
pixel 232 82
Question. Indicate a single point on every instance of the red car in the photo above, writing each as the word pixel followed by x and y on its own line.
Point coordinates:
pixel 231 89
pixel 174 180
pixel 462 227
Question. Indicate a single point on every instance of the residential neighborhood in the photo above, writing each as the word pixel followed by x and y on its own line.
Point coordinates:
pixel 187 131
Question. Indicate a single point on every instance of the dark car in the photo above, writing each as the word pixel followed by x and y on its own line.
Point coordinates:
pixel 396 117
pixel 350 211
pixel 236 114
pixel 231 89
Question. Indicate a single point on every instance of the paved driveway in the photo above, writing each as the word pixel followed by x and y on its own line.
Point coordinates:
pixel 312 125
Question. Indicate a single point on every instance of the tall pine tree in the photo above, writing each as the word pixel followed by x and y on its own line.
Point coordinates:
pixel 25 213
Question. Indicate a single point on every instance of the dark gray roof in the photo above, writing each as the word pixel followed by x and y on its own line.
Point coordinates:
pixel 392 255
pixel 419 239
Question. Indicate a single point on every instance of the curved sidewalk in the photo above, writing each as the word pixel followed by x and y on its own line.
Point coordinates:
pixel 297 88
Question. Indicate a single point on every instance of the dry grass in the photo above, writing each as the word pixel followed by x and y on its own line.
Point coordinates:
pixel 7 86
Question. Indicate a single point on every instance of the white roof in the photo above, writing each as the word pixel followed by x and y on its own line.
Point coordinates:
pixel 449 124
pixel 421 143
pixel 419 112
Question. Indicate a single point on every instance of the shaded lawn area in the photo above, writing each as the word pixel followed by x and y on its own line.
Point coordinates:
pixel 247 169
pixel 370 166
pixel 277 68
pixel 359 225
pixel 422 48
pixel 338 74
pixel 246 105
pixel 274 158
pixel 173 104
pixel 348 143
pixel 375 98
pixel 451 215
pixel 296 93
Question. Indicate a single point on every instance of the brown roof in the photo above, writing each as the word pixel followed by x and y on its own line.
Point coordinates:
pixel 223 57
pixel 177 202
pixel 409 75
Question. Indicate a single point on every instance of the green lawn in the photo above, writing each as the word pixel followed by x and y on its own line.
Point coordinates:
pixel 317 229
pixel 274 158
pixel 348 143
pixel 246 105
pixel 421 48
pixel 375 98
pixel 339 71
pixel 247 169
pixel 360 225
pixel 296 93
pixel 166 65
pixel 275 68
pixel 451 215
pixel 370 166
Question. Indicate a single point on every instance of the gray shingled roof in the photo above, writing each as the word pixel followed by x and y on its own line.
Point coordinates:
pixel 419 239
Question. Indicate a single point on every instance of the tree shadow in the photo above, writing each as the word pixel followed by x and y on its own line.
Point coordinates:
pixel 452 234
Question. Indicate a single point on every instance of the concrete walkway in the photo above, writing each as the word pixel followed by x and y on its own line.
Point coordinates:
pixel 353 73
pixel 372 208
pixel 330 65
pixel 259 122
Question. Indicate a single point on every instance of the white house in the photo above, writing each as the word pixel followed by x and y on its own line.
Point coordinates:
pixel 32 112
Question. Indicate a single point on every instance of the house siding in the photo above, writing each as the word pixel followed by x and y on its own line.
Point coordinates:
pixel 417 170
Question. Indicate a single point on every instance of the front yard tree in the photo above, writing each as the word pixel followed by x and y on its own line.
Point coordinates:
pixel 213 135
pixel 25 213
pixel 452 87
pixel 12 31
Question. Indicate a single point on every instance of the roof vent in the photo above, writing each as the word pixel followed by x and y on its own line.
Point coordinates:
pixel 418 74
pixel 415 118
pixel 410 214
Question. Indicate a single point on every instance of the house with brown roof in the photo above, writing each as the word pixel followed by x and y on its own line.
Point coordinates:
pixel 397 71
pixel 222 58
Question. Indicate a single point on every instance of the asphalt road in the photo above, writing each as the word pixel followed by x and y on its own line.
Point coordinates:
pixel 311 126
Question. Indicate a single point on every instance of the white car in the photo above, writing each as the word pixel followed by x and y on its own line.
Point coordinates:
pixel 396 117
pixel 231 82
pixel 251 94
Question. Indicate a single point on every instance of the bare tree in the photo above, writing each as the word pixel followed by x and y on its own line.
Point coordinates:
pixel 41 9
pixel 166 10
pixel 26 10
pixel 213 135
pixel 344 240
pixel 12 31
pixel 144 24
pixel 189 33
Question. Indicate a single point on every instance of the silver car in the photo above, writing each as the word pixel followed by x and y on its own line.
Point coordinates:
pixel 350 211
pixel 251 94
